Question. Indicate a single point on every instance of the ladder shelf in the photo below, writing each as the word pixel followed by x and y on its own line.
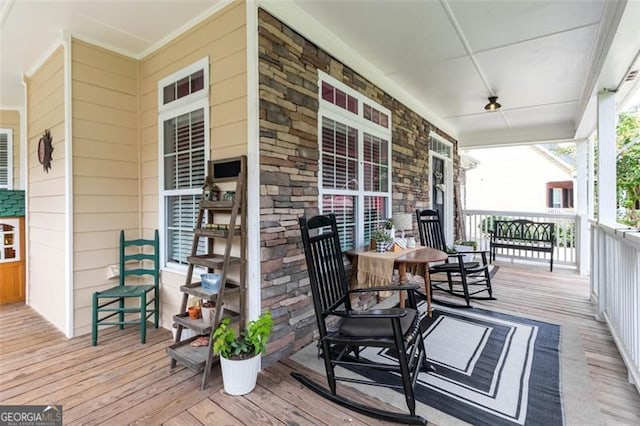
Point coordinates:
pixel 220 226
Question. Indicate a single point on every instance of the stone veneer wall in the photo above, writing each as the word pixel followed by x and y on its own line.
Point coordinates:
pixel 288 65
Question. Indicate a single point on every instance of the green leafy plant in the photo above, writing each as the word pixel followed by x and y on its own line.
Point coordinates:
pixel 388 224
pixel 473 244
pixel 250 342
pixel 380 235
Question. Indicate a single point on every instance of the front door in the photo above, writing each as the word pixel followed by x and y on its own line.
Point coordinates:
pixel 438 193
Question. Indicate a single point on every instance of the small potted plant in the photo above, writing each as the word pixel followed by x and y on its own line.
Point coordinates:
pixel 465 246
pixel 380 239
pixel 240 355
pixel 390 228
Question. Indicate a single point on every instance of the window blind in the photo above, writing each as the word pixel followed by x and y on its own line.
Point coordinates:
pixel 5 160
pixel 184 142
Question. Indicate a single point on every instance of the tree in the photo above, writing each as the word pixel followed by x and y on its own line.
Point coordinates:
pixel 628 167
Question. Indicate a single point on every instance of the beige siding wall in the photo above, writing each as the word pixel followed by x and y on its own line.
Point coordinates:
pixel 46 191
pixel 223 39
pixel 11 120
pixel 105 167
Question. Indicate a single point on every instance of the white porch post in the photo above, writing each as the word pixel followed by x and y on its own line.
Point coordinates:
pixel 582 202
pixel 606 185
pixel 591 151
pixel 607 158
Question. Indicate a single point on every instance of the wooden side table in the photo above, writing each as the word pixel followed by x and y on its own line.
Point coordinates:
pixel 422 257
pixel 413 257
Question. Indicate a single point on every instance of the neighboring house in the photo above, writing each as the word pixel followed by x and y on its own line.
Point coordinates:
pixel 131 138
pixel 519 178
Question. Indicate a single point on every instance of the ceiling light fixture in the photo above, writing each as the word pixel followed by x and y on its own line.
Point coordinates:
pixel 493 104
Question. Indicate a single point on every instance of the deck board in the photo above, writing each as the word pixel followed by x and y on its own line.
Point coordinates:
pixel 122 381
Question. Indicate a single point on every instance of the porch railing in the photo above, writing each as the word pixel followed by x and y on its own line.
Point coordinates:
pixel 615 286
pixel 478 223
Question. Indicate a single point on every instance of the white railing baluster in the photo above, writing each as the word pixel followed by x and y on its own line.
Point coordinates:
pixel 615 284
pixel 478 224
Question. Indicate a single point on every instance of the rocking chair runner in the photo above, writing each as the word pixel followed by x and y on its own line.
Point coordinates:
pixel 341 343
pixel 463 279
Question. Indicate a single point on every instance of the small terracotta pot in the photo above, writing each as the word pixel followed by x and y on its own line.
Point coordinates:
pixel 194 312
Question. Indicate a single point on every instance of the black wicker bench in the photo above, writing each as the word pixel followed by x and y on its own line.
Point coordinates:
pixel 521 234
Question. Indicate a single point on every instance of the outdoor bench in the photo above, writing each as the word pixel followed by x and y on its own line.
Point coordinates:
pixel 522 234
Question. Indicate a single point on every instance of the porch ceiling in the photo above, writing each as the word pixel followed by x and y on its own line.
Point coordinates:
pixel 545 60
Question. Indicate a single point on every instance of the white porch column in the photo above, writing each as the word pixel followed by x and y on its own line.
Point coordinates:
pixel 606 184
pixel 591 179
pixel 607 158
pixel 582 202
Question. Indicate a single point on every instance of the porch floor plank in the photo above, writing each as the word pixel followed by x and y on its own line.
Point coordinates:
pixel 38 365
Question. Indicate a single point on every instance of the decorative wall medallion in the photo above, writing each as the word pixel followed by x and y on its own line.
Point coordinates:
pixel 44 151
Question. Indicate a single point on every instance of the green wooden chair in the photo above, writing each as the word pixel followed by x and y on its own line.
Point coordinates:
pixel 115 305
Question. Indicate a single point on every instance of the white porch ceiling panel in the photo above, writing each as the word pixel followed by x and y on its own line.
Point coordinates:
pixel 545 60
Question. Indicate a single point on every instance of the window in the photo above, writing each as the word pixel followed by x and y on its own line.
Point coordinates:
pixel 556 198
pixel 355 161
pixel 439 145
pixel 6 159
pixel 183 120
pixel 441 181
pixel 560 195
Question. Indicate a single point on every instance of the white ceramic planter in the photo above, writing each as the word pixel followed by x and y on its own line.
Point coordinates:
pixel 391 232
pixel 462 249
pixel 239 377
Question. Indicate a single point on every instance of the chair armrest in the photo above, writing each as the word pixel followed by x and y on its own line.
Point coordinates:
pixel 386 288
pixel 373 313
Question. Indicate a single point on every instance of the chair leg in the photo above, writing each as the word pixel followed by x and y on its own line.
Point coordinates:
pixel 331 379
pixel 121 313
pixel 487 277
pixel 94 321
pixel 407 383
pixel 143 317
pixel 156 307
pixel 465 287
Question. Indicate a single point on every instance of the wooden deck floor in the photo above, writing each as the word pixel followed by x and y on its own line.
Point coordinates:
pixel 123 382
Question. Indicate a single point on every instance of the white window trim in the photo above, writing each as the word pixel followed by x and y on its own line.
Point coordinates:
pixel 357 121
pixel 184 105
pixel 448 176
pixel 184 72
pixel 9 133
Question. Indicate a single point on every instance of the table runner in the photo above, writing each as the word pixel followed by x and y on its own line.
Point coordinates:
pixel 376 269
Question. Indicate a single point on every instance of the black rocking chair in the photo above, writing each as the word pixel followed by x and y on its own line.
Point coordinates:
pixel 463 279
pixel 345 332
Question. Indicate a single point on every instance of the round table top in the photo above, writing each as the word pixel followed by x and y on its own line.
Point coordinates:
pixel 421 256
pixel 414 256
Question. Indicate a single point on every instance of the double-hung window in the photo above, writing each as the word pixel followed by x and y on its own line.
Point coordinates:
pixel 183 132
pixel 6 159
pixel 355 161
